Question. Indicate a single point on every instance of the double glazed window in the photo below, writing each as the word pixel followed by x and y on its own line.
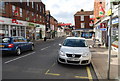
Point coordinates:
pixel 20 12
pixel 82 17
pixel 2 7
pixel 27 2
pixel 32 4
pixel 82 25
pixel 13 9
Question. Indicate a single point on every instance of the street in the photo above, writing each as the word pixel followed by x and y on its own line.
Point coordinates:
pixel 42 64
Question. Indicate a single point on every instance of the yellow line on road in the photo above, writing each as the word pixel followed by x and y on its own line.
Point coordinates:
pixel 81 77
pixel 53 74
pixel 89 74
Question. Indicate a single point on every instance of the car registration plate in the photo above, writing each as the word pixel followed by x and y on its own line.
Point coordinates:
pixel 1 45
pixel 73 59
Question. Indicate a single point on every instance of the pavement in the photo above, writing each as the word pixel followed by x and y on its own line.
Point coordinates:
pixel 100 62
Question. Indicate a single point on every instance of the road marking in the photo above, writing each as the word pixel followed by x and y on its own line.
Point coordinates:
pixel 45 48
pixel 89 74
pixel 53 74
pixel 81 77
pixel 19 58
pixel 47 72
pixel 53 65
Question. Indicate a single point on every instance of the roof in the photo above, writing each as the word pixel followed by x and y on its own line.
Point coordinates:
pixel 84 13
pixel 75 38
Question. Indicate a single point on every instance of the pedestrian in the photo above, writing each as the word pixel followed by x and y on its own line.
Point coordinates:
pixel 45 39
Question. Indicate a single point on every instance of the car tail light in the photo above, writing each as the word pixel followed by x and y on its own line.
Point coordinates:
pixel 10 45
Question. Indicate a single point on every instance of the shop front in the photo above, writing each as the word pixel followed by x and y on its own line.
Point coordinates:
pixel 40 31
pixel 85 33
pixel 12 27
pixel 114 33
pixel 30 31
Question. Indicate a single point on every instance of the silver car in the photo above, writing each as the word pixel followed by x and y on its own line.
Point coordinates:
pixel 75 51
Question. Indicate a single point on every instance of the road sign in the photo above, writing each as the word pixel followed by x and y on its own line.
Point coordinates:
pixel 103 29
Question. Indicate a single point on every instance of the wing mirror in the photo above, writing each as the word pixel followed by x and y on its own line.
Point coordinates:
pixel 60 45
pixel 90 46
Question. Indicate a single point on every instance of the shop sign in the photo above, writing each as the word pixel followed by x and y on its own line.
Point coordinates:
pixel 114 21
pixel 31 24
pixel 102 25
pixel 2 21
pixel 103 29
pixel 109 12
pixel 15 21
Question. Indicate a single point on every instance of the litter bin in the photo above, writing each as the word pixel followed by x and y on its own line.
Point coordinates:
pixel 45 39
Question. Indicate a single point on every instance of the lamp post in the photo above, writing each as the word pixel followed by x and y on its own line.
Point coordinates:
pixel 109 55
pixel 114 2
pixel 119 41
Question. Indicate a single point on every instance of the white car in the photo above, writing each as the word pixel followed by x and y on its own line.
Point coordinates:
pixel 75 51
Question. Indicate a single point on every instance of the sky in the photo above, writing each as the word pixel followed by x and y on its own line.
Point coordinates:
pixel 64 10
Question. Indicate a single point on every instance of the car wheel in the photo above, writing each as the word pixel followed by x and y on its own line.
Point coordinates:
pixel 32 48
pixel 18 51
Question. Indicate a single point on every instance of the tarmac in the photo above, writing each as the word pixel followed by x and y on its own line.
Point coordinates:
pixel 100 63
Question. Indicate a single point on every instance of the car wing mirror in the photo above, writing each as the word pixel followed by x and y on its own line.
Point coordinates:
pixel 90 46
pixel 60 45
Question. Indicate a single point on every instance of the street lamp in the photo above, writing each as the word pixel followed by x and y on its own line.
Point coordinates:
pixel 114 2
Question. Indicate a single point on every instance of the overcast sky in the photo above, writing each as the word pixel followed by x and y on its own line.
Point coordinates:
pixel 64 10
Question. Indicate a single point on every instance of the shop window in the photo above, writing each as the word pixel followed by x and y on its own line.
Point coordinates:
pixel 20 12
pixel 2 7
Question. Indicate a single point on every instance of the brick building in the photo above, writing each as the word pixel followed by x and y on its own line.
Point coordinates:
pixel 25 19
pixel 51 25
pixel 99 34
pixel 83 24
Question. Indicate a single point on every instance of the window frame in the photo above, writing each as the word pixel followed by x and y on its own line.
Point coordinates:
pixel 82 18
pixel 21 15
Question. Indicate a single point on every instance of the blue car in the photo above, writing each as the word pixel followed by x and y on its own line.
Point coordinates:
pixel 15 45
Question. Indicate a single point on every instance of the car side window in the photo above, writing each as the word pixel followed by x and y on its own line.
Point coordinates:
pixel 19 39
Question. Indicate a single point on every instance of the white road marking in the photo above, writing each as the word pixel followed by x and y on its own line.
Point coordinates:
pixel 45 48
pixel 18 58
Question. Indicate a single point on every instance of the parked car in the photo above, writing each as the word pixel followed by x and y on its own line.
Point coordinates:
pixel 75 51
pixel 15 45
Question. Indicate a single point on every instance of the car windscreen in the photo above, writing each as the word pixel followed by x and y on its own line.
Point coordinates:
pixel 4 40
pixel 75 43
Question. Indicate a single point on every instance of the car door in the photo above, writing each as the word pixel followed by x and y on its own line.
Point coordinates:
pixel 23 43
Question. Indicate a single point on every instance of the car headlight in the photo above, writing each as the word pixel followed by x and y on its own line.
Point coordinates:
pixel 62 53
pixel 86 54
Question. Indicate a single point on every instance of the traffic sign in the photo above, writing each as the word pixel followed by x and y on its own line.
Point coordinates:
pixel 103 29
